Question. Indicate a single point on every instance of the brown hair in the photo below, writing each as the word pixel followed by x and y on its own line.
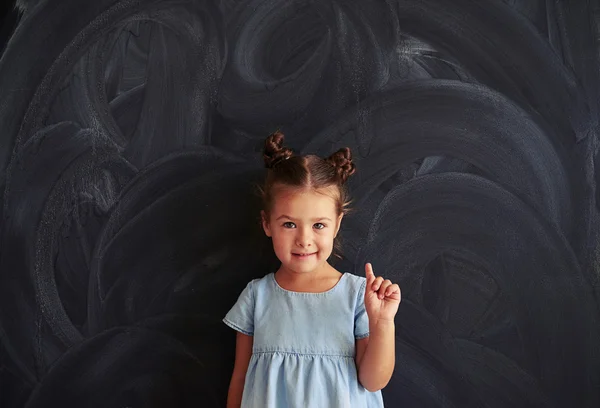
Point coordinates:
pixel 305 172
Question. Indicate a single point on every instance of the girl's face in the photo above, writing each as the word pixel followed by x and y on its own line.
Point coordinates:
pixel 302 225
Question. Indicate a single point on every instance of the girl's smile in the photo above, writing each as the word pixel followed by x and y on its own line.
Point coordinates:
pixel 304 256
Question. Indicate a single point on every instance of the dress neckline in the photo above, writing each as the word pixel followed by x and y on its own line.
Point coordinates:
pixel 306 293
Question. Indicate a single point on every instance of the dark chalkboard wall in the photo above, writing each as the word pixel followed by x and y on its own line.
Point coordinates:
pixel 130 148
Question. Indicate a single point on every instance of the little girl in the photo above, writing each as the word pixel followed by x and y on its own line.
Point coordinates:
pixel 308 335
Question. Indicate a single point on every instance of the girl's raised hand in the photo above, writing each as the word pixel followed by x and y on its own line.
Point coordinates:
pixel 382 297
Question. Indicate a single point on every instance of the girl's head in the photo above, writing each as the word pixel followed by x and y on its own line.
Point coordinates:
pixel 304 200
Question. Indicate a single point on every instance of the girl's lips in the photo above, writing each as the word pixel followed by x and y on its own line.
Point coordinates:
pixel 304 255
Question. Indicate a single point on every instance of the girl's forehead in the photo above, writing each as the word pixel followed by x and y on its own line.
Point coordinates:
pixel 305 200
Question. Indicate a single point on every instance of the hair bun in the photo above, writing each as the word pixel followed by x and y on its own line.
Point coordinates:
pixel 342 162
pixel 274 151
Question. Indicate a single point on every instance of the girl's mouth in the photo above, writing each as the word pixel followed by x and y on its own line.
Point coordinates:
pixel 304 256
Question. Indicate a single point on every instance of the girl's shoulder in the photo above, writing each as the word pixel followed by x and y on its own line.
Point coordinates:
pixel 260 283
pixel 355 279
pixel 355 284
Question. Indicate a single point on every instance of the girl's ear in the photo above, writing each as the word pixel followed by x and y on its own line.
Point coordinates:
pixel 265 223
pixel 339 224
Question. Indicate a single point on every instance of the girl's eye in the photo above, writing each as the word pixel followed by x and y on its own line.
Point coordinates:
pixel 319 225
pixel 289 225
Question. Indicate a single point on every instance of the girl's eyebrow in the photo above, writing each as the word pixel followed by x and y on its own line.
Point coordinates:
pixel 314 219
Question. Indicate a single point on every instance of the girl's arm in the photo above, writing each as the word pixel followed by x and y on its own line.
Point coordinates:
pixel 243 352
pixel 376 355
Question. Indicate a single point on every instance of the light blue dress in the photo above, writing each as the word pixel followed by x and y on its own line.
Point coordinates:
pixel 304 345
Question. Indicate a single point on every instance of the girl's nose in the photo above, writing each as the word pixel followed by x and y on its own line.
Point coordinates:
pixel 304 243
pixel 304 238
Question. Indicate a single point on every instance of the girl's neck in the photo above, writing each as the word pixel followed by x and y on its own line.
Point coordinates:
pixel 319 280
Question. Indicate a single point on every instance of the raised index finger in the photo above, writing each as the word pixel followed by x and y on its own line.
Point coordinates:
pixel 369 273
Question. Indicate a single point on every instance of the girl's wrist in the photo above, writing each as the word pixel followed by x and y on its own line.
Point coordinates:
pixel 381 323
